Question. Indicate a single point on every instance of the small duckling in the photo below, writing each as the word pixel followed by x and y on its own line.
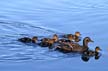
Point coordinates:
pixel 44 39
pixel 44 42
pixel 34 39
pixel 47 42
pixel 71 37
pixel 28 40
pixel 92 53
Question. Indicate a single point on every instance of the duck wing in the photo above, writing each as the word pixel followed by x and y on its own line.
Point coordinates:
pixel 76 47
pixel 63 48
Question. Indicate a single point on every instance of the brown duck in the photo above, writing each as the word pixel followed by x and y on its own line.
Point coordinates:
pixel 47 42
pixel 73 37
pixel 74 47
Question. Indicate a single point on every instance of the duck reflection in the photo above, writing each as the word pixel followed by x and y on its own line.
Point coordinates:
pixel 86 58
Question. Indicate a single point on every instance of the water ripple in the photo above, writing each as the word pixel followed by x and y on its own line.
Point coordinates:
pixel 44 18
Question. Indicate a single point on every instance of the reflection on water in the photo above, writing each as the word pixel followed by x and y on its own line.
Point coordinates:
pixel 86 58
pixel 44 18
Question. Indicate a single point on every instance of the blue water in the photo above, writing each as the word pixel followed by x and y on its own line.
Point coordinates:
pixel 19 18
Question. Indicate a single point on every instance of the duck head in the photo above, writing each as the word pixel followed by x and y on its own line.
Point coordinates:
pixel 77 34
pixel 70 37
pixel 55 37
pixel 86 40
pixel 97 49
pixel 34 39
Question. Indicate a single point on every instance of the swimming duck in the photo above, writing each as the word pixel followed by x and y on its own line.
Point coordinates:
pixel 71 37
pixel 74 47
pixel 91 52
pixel 28 40
pixel 47 42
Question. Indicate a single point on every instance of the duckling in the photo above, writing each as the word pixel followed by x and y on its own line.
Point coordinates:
pixel 28 40
pixel 47 42
pixel 71 37
pixel 75 47
pixel 97 49
pixel 91 52
pixel 55 37
pixel 44 42
pixel 34 39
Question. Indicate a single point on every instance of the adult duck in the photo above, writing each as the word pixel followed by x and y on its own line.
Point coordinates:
pixel 74 47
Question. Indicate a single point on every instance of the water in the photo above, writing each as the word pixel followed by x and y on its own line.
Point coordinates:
pixel 43 18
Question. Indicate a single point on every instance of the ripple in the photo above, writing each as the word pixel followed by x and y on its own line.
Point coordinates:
pixel 44 18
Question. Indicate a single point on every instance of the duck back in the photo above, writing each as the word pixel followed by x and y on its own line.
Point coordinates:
pixel 25 40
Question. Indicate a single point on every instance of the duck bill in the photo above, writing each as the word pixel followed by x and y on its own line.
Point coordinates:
pixel 100 49
pixel 91 41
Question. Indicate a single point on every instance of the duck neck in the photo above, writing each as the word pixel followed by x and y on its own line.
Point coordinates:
pixel 85 44
pixel 96 51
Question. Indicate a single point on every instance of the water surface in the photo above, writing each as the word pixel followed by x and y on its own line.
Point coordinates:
pixel 44 18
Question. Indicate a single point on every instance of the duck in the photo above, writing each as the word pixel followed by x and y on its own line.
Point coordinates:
pixel 47 42
pixel 73 37
pixel 28 40
pixel 92 53
pixel 74 47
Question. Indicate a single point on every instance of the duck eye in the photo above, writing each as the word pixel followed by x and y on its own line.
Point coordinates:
pixel 87 40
